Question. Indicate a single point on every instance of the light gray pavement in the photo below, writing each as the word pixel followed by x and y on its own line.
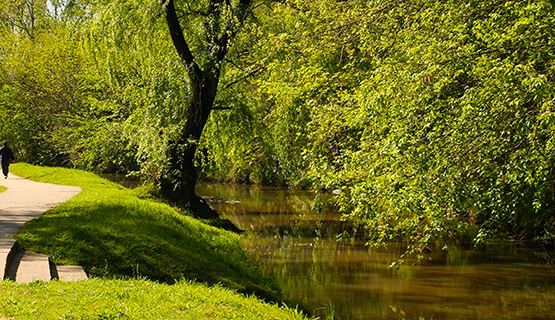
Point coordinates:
pixel 70 273
pixel 31 266
pixel 23 201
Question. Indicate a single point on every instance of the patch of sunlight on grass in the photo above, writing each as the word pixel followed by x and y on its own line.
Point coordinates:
pixel 133 299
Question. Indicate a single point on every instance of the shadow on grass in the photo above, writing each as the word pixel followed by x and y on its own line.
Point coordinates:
pixel 129 237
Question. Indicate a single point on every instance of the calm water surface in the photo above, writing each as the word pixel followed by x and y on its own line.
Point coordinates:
pixel 300 248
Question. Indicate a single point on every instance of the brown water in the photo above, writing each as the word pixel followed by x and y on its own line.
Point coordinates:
pixel 300 248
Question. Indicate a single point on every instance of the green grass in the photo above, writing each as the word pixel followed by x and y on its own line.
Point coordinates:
pixel 112 232
pixel 131 299
pixel 2 189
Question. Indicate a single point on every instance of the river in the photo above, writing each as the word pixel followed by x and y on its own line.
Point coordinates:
pixel 346 278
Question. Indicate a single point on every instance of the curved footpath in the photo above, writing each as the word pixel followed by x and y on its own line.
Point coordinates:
pixel 23 201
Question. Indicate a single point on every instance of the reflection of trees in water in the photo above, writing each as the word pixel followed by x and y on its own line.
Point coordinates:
pixel 342 273
pixel 257 198
pixel 272 211
pixel 260 199
pixel 360 284
pixel 300 248
pixel 282 227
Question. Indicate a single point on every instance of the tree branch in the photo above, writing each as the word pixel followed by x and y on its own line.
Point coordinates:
pixel 178 38
pixel 223 41
pixel 250 74
pixel 244 6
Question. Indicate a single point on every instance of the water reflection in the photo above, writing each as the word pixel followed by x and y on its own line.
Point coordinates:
pixel 299 247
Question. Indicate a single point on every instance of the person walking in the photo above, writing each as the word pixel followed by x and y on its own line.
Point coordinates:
pixel 6 156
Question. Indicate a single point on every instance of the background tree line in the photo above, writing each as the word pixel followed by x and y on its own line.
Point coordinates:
pixel 434 119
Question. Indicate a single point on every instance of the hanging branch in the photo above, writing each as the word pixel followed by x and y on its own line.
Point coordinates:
pixel 178 38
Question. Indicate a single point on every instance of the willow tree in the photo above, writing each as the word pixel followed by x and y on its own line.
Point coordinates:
pixel 201 32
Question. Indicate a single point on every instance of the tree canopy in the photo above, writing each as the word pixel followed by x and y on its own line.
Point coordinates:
pixel 432 120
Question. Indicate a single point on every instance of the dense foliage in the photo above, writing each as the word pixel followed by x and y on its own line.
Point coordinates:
pixel 433 118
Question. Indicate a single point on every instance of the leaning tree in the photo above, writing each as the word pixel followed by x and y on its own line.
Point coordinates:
pixel 201 32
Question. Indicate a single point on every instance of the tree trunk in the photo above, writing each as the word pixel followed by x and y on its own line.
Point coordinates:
pixel 179 180
pixel 178 183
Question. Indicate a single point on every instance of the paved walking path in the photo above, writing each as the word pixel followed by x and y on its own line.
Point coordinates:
pixel 23 201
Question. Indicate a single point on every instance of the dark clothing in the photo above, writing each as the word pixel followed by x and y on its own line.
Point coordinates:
pixel 6 156
pixel 5 169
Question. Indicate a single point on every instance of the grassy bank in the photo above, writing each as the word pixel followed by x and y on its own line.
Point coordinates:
pixel 115 232
pixel 131 299
pixel 2 189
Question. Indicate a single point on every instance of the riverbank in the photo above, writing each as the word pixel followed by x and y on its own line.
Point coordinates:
pixel 115 232
pixel 354 281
